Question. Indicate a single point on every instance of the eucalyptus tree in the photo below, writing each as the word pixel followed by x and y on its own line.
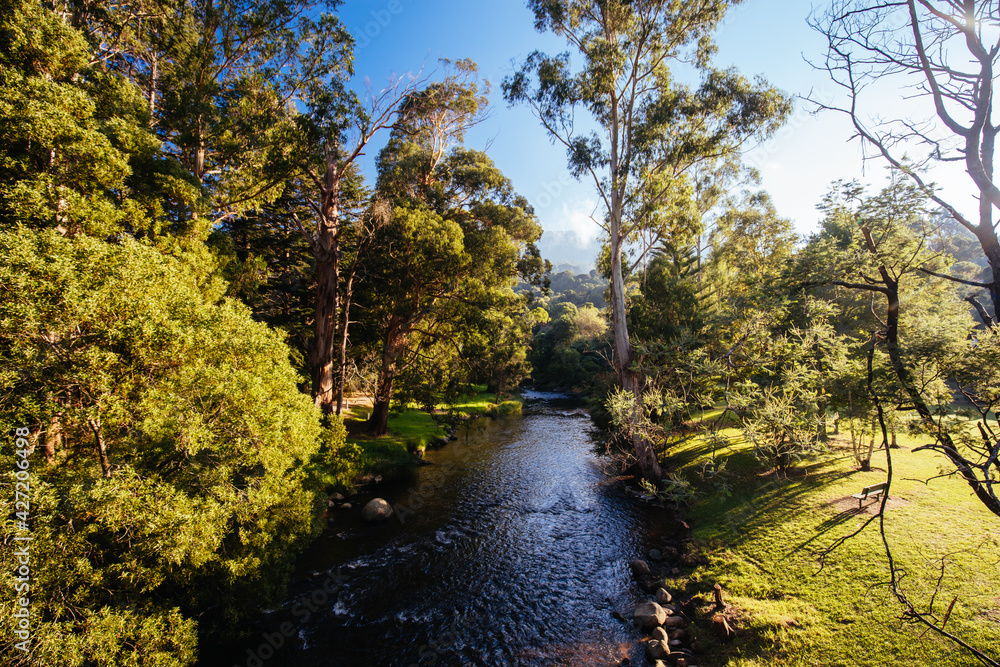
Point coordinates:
pixel 453 247
pixel 651 131
pixel 458 237
pixel 751 246
pixel 947 52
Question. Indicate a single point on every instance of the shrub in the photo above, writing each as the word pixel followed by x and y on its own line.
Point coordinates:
pixel 197 504
pixel 505 409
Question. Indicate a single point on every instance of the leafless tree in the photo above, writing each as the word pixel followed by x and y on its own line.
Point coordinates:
pixel 943 51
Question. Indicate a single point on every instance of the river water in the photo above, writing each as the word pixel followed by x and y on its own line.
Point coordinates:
pixel 515 550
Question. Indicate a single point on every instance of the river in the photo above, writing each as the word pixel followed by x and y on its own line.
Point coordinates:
pixel 515 550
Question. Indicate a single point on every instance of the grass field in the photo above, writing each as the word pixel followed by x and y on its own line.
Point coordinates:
pixel 764 535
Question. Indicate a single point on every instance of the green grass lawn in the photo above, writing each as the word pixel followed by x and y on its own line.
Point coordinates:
pixel 390 456
pixel 763 542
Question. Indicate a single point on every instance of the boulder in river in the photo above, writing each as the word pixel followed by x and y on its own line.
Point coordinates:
pixel 663 596
pixel 639 568
pixel 376 510
pixel 661 634
pixel 673 621
pixel 649 615
pixel 656 649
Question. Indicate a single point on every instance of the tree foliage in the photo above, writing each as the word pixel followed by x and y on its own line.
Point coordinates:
pixel 653 132
pixel 174 441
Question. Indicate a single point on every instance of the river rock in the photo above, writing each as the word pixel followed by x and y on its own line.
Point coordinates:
pixel 672 621
pixel 663 596
pixel 656 649
pixel 376 510
pixel 639 568
pixel 654 554
pixel 337 497
pixel 346 506
pixel 649 615
pixel 661 634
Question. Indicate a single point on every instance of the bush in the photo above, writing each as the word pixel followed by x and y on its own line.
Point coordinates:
pixel 415 445
pixel 197 505
pixel 339 459
pixel 505 408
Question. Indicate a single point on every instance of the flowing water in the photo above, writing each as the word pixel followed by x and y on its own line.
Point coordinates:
pixel 515 550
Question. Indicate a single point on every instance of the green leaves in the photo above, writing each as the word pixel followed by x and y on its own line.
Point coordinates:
pixel 68 132
pixel 205 431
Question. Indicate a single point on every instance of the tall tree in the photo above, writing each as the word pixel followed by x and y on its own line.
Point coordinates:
pixel 459 234
pixel 331 136
pixel 457 245
pixel 653 132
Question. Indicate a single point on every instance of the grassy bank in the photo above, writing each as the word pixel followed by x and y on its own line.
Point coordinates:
pixel 763 536
pixel 390 456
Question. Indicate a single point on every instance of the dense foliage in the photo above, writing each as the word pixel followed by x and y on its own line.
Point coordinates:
pixel 170 442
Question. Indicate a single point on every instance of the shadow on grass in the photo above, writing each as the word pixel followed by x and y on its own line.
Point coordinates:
pixel 751 500
pixel 822 529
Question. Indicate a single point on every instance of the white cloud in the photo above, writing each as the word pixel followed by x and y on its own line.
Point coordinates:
pixel 576 218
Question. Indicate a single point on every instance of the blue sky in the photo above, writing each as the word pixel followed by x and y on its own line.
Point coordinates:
pixel 765 37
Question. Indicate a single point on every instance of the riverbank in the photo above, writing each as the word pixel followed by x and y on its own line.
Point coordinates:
pixel 411 431
pixel 761 537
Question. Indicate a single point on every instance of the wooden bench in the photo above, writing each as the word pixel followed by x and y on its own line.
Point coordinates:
pixel 873 491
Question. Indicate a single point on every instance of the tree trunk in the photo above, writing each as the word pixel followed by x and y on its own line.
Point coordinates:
pixel 327 255
pixel 102 452
pixel 991 248
pixel 345 309
pixel 392 345
pixel 324 332
pixel 378 422
pixel 625 354
pixel 53 437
